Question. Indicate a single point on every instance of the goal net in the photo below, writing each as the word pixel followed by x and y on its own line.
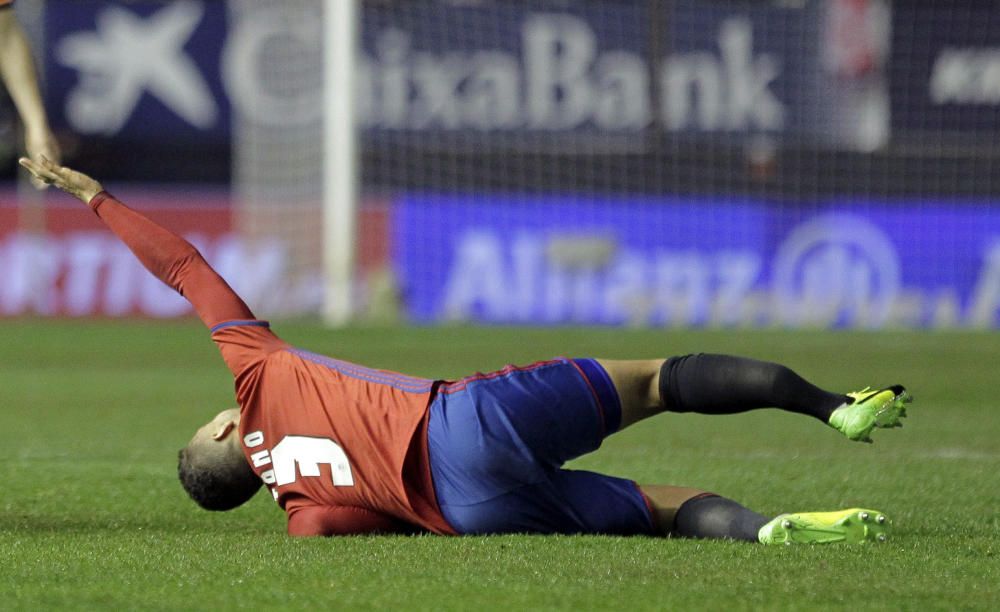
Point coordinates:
pixel 276 66
pixel 819 163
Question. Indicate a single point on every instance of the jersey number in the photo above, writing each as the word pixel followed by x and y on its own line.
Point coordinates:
pixel 308 453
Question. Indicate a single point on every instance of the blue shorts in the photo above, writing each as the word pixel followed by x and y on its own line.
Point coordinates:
pixel 498 442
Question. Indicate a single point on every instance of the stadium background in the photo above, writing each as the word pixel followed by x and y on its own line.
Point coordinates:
pixel 802 181
pixel 687 163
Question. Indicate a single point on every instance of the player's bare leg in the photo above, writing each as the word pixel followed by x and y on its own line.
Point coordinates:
pixel 665 500
pixel 637 385
pixel 724 384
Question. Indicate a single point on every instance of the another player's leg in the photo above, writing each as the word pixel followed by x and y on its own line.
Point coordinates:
pixel 723 384
pixel 691 513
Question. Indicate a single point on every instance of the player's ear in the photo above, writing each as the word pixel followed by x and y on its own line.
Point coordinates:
pixel 223 430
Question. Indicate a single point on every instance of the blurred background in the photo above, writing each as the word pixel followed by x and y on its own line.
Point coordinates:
pixel 663 163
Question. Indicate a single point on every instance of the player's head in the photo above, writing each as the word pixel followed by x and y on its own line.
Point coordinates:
pixel 212 467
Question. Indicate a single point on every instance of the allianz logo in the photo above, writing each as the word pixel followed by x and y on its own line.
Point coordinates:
pixel 562 80
pixel 836 270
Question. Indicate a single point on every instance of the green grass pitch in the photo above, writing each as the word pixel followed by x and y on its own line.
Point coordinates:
pixel 92 517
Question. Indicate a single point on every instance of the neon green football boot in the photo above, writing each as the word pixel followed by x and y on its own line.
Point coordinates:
pixel 870 409
pixel 853 526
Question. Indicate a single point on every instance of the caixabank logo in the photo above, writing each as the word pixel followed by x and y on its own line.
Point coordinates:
pixel 126 57
pixel 185 68
pixel 562 76
pixel 136 69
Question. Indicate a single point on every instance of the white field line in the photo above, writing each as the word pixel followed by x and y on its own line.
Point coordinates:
pixel 949 453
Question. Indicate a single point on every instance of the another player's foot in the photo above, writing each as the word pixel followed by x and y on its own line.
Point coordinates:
pixel 870 409
pixel 853 526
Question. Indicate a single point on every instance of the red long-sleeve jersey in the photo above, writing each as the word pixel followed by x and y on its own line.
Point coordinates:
pixel 343 448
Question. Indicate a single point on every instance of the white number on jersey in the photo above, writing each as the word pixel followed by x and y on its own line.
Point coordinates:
pixel 309 453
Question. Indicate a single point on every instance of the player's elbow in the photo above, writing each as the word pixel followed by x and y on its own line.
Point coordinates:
pixel 182 266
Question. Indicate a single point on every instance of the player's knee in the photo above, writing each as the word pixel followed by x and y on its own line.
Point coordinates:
pixel 634 381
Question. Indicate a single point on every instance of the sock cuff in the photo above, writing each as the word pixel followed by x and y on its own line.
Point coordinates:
pixel 694 499
pixel 670 397
pixel 689 505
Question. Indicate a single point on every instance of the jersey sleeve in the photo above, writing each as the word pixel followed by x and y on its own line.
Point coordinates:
pixel 240 336
pixel 339 520
pixel 173 260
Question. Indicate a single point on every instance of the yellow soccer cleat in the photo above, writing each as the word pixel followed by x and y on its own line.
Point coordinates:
pixel 870 409
pixel 852 526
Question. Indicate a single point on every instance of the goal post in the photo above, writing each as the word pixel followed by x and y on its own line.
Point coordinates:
pixel 340 158
pixel 289 68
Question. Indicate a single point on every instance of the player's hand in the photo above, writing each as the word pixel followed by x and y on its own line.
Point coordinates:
pixel 77 184
pixel 41 143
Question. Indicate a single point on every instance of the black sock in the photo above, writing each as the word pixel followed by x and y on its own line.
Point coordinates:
pixel 722 384
pixel 712 516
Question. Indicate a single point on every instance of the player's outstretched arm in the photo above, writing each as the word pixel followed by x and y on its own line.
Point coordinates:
pixel 17 71
pixel 168 256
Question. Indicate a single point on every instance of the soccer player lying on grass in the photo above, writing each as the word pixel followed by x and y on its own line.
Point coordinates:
pixel 346 449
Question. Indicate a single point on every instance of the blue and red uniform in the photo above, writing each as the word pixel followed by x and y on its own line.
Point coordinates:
pixel 347 449
pixel 498 442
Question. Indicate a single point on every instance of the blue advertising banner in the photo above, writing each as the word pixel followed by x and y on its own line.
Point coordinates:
pixel 673 261
pixel 549 66
pixel 137 70
pixel 181 70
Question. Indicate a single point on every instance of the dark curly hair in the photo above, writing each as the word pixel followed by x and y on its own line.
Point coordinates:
pixel 222 486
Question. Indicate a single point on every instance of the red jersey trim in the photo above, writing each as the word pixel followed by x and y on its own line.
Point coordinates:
pixel 597 399
pixel 654 520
